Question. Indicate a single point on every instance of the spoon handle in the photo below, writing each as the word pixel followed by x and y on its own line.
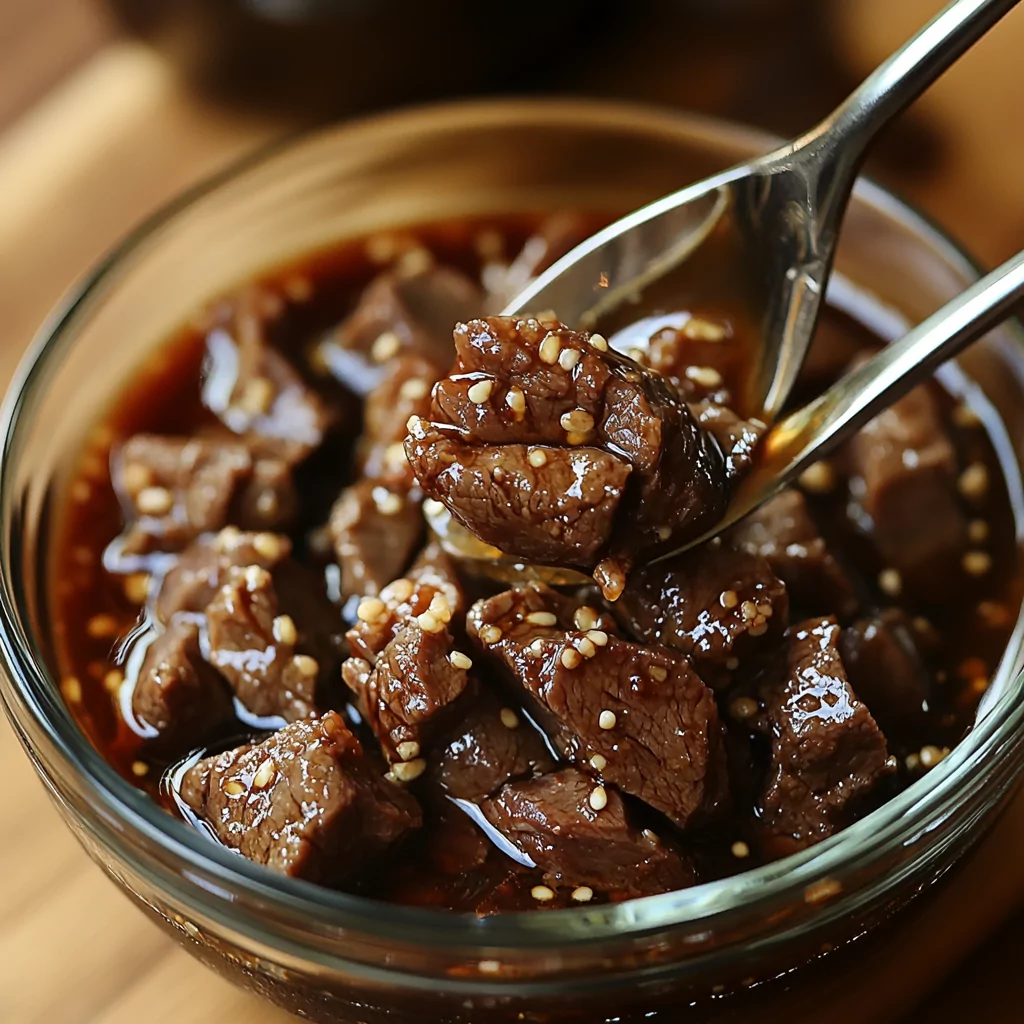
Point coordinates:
pixel 807 434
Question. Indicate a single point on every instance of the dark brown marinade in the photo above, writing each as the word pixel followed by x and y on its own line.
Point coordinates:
pixel 456 860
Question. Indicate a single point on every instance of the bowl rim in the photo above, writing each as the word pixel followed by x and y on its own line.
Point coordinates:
pixel 32 691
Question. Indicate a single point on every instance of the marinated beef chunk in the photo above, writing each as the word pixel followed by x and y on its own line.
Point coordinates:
pixel 720 606
pixel 404 392
pixel 202 568
pixel 375 530
pixel 735 436
pixel 641 714
pixel 903 471
pixel 254 647
pixel 402 313
pixel 175 488
pixel 535 434
pixel 177 695
pixel 783 533
pixel 579 833
pixel 886 671
pixel 827 751
pixel 409 693
pixel 489 746
pixel 305 802
pixel 251 387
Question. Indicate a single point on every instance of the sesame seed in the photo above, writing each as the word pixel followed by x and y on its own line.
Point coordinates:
pixel 732 664
pixel 255 576
pixel 994 613
pixel 598 798
pixel 976 563
pixel 973 481
pixel 743 708
pixel 407 771
pixel 930 756
pixel 516 401
pixel 413 424
pixel 664 532
pixel 414 261
pixel 429 623
pixel 154 501
pixel 819 478
pixel 460 660
pixel 490 634
pixel 81 491
pixel 568 358
pixel 112 681
pixel 480 391
pixel 818 892
pixel 408 750
pixel 570 658
pixel 890 582
pixel 140 768
pixel 371 609
pixel 606 720
pixel 583 894
pixel 749 611
pixel 305 665
pixel 537 457
pixel 542 893
pixel 658 673
pixel 728 599
pixel 542 618
pixel 537 648
pixel 285 631
pixel 509 718
pixel 600 342
pixel 102 627
pixel 266 504
pixel 651 837
pixel 585 617
pixel 264 774
pixel 233 787
pixel 394 455
pixel 388 503
pixel 257 397
pixel 549 349
pixel 136 477
pixel 72 690
pixel 705 376
pixel 579 421
pixel 598 763
pixel 488 966
pixel 598 636
pixel 268 546
pixel 440 608
pixel 965 416
pixel 385 347
pixel 586 647
pixel 699 329
pixel 136 587
pixel 413 389
pixel 740 849
pixel 432 507
pixel 977 531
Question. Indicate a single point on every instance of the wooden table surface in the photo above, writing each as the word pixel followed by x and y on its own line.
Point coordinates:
pixel 82 158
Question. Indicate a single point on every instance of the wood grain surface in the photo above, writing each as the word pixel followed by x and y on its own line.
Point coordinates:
pixel 94 133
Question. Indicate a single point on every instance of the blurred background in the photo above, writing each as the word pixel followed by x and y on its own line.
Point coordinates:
pixel 107 109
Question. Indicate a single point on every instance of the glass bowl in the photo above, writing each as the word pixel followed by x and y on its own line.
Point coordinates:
pixel 763 941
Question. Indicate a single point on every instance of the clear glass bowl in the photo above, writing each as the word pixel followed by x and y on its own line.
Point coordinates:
pixel 726 949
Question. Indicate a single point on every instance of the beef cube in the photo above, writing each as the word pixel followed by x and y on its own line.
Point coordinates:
pixel 178 698
pixel 639 714
pixel 720 606
pixel 886 671
pixel 579 833
pixel 251 387
pixel 305 802
pixel 783 533
pixel 903 472
pixel 375 530
pixel 735 436
pixel 409 692
pixel 827 752
pixel 202 568
pixel 254 647
pixel 490 745
pixel 175 488
pixel 550 446
pixel 401 313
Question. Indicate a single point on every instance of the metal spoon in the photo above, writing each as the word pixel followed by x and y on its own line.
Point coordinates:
pixel 808 434
pixel 778 215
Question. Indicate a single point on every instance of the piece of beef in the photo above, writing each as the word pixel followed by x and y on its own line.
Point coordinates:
pixel 177 695
pixel 254 647
pixel 489 746
pixel 783 533
pixel 306 802
pixel 736 437
pixel 202 568
pixel 375 529
pixel 827 751
pixel 554 448
pixel 720 606
pixel 401 313
pixel 640 714
pixel 580 833
pixel 886 670
pixel 903 470
pixel 251 387
pixel 409 693
pixel 175 488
